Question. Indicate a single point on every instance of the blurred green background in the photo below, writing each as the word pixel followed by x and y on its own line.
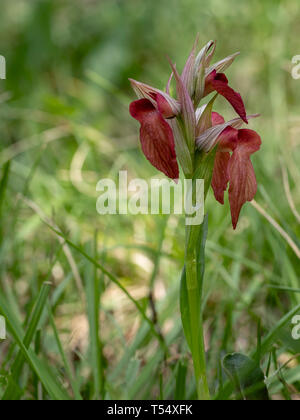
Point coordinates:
pixel 64 125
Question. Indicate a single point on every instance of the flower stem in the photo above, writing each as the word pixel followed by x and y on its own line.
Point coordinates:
pixel 194 283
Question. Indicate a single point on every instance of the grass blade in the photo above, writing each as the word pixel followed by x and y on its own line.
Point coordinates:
pixel 67 366
pixel 93 304
pixel 32 327
pixel 46 376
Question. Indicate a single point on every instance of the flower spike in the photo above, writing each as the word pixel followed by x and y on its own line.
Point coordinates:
pixel 204 144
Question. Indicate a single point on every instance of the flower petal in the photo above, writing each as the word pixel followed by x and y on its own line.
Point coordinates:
pixel 227 143
pixel 201 63
pixel 217 119
pixel 163 106
pixel 228 139
pixel 169 106
pixel 218 82
pixel 156 137
pixel 204 121
pixel 220 177
pixel 206 54
pixel 188 73
pixel 222 65
pixel 187 110
pixel 207 140
pixel 243 185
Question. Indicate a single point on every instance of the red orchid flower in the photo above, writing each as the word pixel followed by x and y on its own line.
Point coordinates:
pixel 157 140
pixel 156 137
pixel 174 129
pixel 236 168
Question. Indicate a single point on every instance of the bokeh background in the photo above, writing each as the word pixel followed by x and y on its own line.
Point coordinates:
pixel 64 125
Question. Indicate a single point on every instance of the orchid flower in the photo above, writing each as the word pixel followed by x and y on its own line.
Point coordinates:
pixel 178 130
pixel 235 169
pixel 156 135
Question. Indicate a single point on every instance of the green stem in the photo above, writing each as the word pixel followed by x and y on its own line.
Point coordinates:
pixel 194 282
pixel 192 279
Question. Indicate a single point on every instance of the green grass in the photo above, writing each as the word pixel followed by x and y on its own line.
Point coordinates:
pixel 109 325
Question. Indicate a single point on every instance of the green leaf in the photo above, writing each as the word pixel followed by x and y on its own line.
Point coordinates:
pixel 180 391
pixel 246 376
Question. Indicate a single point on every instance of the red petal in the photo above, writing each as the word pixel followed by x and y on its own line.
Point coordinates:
pixel 218 82
pixel 243 185
pixel 169 106
pixel 156 137
pixel 220 175
pixel 163 106
pixel 217 119
pixel 227 142
pixel 228 139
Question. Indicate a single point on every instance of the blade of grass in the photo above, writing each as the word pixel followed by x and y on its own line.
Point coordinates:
pixel 284 289
pixel 73 382
pixel 279 229
pixel 31 330
pixel 268 341
pixel 245 261
pixel 93 304
pixel 3 185
pixel 46 376
pixel 181 380
pixel 38 394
